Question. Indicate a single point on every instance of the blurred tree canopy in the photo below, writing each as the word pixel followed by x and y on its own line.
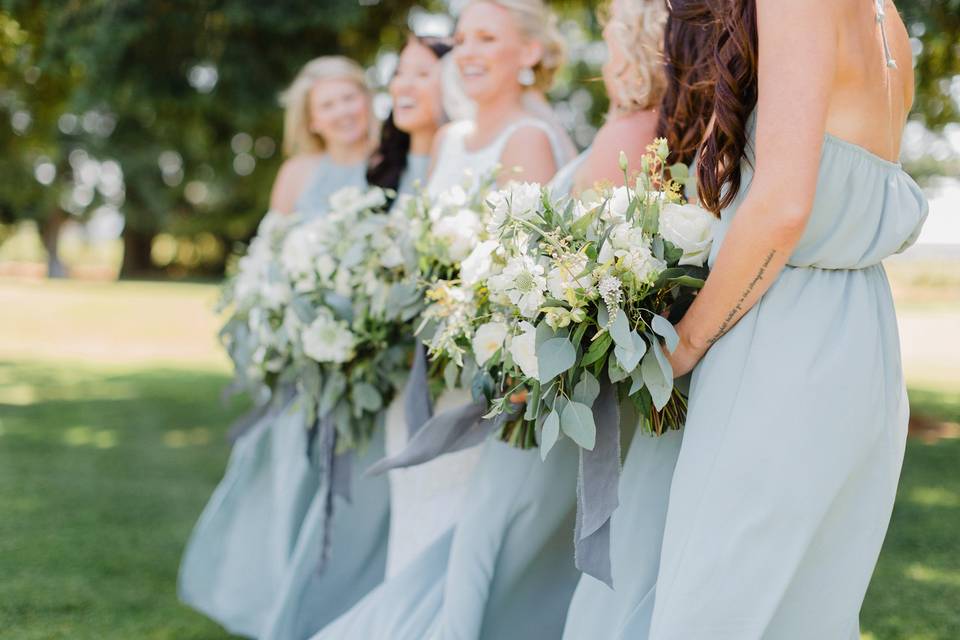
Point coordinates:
pixel 167 109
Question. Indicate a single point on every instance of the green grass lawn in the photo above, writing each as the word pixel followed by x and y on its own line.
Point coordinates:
pixel 109 449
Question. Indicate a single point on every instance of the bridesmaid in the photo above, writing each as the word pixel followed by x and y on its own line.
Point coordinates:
pixel 637 528
pixel 798 414
pixel 328 135
pixel 309 599
pixel 503 50
pixel 239 554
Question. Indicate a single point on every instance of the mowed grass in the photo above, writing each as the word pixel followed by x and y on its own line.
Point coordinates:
pixel 111 440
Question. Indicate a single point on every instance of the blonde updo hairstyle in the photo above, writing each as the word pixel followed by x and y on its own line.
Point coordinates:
pixel 537 22
pixel 639 28
pixel 298 135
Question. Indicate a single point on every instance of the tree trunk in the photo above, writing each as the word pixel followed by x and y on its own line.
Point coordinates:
pixel 136 254
pixel 50 232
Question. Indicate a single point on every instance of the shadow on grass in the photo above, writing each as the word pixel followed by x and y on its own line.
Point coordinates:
pixel 102 475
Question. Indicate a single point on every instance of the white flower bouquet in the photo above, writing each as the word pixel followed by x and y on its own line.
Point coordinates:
pixel 353 299
pixel 258 334
pixel 574 294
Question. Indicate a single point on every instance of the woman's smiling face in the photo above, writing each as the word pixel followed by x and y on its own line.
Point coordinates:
pixel 416 88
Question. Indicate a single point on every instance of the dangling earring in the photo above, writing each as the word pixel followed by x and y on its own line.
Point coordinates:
pixel 526 77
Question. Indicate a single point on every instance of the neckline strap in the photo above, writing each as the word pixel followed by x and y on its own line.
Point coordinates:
pixel 881 20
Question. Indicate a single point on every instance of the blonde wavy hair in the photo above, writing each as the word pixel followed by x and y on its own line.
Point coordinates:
pixel 638 26
pixel 537 22
pixel 298 137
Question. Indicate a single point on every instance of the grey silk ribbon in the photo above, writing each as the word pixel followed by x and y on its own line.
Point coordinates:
pixel 455 429
pixel 335 470
pixel 269 410
pixel 417 407
pixel 598 489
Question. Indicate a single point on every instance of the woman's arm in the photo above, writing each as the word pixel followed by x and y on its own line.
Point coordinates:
pixel 290 183
pixel 527 157
pixel 797 62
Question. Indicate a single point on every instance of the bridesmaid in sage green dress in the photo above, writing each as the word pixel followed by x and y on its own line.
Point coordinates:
pixel 309 599
pixel 797 419
pixel 237 565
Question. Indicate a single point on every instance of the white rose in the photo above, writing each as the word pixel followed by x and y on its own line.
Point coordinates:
pixel 690 228
pixel 479 263
pixel 488 338
pixel 327 340
pixel 523 348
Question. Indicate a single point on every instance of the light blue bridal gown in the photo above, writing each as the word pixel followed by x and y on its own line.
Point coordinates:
pixel 794 439
pixel 505 571
pixel 253 560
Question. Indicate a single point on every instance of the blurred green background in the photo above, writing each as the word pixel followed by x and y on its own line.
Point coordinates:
pixel 140 139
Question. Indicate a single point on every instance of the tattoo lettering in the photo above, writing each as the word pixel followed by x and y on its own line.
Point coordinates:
pixel 734 313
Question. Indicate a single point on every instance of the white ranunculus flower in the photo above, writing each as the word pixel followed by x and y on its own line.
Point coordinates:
pixel 327 340
pixel 690 228
pixel 479 263
pixel 487 339
pixel 459 232
pixel 523 348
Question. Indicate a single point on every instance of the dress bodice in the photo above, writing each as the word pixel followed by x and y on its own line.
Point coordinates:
pixel 454 161
pixel 327 178
pixel 865 208
pixel 416 172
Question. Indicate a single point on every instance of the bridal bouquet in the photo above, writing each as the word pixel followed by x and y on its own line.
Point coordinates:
pixel 353 300
pixel 257 335
pixel 571 297
pixel 448 230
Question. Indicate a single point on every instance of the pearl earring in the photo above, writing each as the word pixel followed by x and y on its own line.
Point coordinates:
pixel 526 77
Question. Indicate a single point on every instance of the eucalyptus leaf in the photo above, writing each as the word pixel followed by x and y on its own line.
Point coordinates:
pixel 662 327
pixel 615 372
pixel 587 389
pixel 555 356
pixel 659 385
pixel 333 389
pixel 549 434
pixel 628 359
pixel 366 396
pixel 603 315
pixel 636 382
pixel 620 329
pixel 577 422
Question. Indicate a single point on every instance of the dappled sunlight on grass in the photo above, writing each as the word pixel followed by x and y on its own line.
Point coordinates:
pixel 934 497
pixel 922 573
pixel 178 438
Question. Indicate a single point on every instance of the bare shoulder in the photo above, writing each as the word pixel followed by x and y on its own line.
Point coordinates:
pixel 529 148
pixel 629 134
pixel 291 180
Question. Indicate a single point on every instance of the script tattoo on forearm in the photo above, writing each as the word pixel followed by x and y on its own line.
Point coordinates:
pixel 735 312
